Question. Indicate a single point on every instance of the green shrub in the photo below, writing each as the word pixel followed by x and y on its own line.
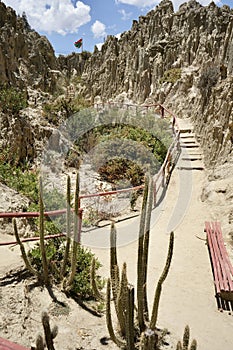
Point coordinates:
pixel 171 76
pixel 55 249
pixel 22 180
pixel 60 109
pixel 12 100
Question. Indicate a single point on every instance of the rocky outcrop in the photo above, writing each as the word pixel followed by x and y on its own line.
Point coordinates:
pixel 194 45
pixel 26 58
pixel 23 137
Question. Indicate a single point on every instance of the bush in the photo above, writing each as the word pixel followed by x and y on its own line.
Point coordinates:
pixel 171 76
pixel 12 100
pixel 22 180
pixel 63 108
pixel 55 249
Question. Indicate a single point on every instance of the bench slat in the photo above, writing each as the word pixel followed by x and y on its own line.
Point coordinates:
pixel 213 258
pixel 222 267
pixel 220 263
pixel 225 256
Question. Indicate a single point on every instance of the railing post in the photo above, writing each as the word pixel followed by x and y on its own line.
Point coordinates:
pixel 80 217
pixel 173 125
pixel 155 193
pixel 162 111
pixel 163 177
pixel 169 163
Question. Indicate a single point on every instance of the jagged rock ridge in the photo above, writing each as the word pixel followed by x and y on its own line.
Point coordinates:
pixel 194 39
pixel 26 58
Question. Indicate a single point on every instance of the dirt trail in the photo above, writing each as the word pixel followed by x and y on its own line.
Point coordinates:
pixel 188 295
pixel 188 292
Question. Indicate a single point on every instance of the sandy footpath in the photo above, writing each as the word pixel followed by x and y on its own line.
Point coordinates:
pixel 188 292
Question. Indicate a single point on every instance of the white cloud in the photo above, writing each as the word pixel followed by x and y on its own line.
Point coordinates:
pixel 53 15
pixel 125 15
pixel 152 3
pixel 98 29
pixel 139 3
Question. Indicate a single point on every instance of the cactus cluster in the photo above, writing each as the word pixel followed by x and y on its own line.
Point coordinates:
pixel 184 345
pixel 49 334
pixel 44 276
pixel 136 328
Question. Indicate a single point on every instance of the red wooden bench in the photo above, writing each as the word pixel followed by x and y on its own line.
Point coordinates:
pixel 221 264
pixel 8 345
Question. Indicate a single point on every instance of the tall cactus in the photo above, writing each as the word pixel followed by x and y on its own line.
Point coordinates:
pixel 49 334
pixel 184 345
pixel 121 302
pixel 68 226
pixel 154 315
pixel 76 241
pixel 119 342
pixel 124 302
pixel 140 267
pixel 146 246
pixel 42 240
pixel 114 269
pixel 130 331
pixel 23 252
pixel 95 288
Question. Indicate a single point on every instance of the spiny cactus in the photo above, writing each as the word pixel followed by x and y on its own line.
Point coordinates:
pixel 148 340
pixel 140 267
pixel 123 293
pixel 42 240
pixel 184 345
pixel 39 343
pixel 44 276
pixel 121 301
pixel 186 337
pixel 76 240
pixel 68 226
pixel 23 252
pixel 130 331
pixel 114 268
pixel 49 334
pixel 146 246
pixel 154 315
pixel 119 342
pixel 96 291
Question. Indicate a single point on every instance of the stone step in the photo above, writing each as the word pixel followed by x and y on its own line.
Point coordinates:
pixel 194 145
pixel 192 159
pixel 186 130
pixel 191 167
pixel 195 154
pixel 189 135
pixel 185 142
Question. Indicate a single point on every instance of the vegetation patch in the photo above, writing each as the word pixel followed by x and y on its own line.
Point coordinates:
pixel 171 76
pixel 21 179
pixel 12 100
pixel 55 250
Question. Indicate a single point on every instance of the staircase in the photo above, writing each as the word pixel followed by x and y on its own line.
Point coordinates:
pixel 191 157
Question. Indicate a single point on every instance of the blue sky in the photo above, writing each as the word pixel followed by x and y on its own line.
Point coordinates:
pixel 65 21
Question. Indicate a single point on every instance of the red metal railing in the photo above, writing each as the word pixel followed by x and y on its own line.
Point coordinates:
pixel 8 345
pixel 158 180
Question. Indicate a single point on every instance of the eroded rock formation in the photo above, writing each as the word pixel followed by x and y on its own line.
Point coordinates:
pixel 26 58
